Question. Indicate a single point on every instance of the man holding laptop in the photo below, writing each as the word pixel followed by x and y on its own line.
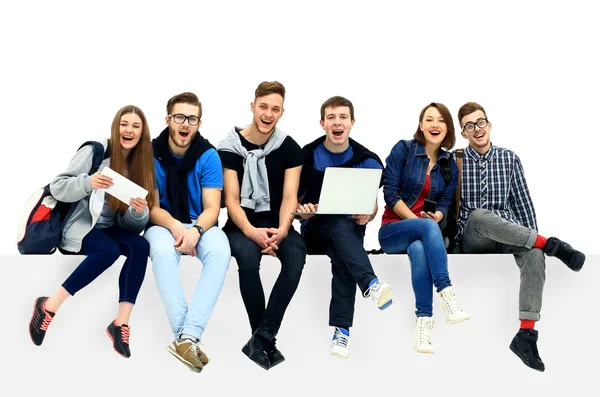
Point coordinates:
pixel 340 236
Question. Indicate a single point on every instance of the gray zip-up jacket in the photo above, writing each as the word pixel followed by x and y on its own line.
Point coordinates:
pixel 75 185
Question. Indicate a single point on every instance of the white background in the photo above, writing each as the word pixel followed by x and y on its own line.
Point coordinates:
pixel 67 67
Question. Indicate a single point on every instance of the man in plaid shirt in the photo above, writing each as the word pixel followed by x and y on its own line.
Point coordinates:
pixel 497 216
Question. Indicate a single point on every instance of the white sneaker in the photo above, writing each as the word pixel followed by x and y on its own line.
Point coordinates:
pixel 340 344
pixel 451 306
pixel 381 294
pixel 422 335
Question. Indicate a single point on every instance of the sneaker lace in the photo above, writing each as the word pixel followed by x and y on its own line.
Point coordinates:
pixel 373 289
pixel 198 350
pixel 339 338
pixel 46 321
pixel 425 334
pixel 194 348
pixel 452 302
pixel 125 334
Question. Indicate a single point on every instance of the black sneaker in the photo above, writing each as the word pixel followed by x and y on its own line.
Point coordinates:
pixel 120 338
pixel 275 356
pixel 563 251
pixel 256 350
pixel 524 345
pixel 40 320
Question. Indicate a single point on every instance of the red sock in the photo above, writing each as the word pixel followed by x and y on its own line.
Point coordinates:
pixel 527 324
pixel 540 242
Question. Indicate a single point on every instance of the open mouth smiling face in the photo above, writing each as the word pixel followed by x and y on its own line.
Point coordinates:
pixel 479 137
pixel 433 126
pixel 130 130
pixel 267 111
pixel 337 124
pixel 181 132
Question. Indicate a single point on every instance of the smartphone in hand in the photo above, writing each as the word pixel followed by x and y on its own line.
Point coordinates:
pixel 429 206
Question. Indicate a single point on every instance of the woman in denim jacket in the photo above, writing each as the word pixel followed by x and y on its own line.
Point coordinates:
pixel 413 173
pixel 103 228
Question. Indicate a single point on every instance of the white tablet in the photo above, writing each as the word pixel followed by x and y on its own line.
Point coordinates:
pixel 122 188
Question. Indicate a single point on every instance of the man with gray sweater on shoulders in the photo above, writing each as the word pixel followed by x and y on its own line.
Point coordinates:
pixel 261 173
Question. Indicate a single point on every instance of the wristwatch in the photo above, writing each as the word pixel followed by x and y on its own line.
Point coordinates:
pixel 200 230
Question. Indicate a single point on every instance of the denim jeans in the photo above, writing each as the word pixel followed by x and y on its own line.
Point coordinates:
pixel 213 251
pixel 342 240
pixel 423 241
pixel 103 247
pixel 486 232
pixel 291 254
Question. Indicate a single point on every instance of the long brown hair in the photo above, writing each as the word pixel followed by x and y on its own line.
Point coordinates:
pixel 140 162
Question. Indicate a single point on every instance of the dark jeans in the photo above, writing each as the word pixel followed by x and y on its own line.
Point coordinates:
pixel 291 254
pixel 103 247
pixel 342 240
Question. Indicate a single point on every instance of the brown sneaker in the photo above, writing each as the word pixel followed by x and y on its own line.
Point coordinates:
pixel 188 353
pixel 201 355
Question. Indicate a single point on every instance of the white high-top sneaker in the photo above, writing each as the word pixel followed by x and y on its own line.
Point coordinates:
pixel 452 307
pixel 422 335
pixel 381 294
pixel 340 344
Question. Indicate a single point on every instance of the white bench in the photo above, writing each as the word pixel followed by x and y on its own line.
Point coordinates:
pixel 475 352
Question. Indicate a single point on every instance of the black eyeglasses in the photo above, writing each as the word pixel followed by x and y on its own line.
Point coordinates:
pixel 470 127
pixel 180 119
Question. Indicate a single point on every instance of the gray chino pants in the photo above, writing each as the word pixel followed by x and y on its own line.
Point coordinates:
pixel 486 232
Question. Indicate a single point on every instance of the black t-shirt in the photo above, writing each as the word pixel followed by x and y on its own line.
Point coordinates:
pixel 288 155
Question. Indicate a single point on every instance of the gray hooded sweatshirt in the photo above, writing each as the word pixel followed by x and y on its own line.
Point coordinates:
pixel 75 185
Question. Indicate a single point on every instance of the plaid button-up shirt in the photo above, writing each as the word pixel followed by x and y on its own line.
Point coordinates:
pixel 494 181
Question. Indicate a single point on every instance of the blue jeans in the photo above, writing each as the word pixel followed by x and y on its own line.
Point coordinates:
pixel 423 241
pixel 103 247
pixel 213 251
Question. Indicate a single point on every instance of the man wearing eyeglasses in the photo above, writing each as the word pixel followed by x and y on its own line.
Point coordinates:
pixel 497 216
pixel 187 204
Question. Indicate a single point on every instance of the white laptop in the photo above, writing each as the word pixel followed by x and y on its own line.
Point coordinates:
pixel 348 191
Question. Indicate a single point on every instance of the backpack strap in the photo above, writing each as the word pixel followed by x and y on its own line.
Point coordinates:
pixel 446 169
pixel 99 155
pixel 459 159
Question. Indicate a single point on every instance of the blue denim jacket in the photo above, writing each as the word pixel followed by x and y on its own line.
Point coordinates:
pixel 405 173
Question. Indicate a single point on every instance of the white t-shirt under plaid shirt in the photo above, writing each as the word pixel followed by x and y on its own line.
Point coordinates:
pixel 495 181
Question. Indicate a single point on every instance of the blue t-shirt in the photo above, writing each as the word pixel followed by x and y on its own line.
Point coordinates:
pixel 324 158
pixel 208 173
